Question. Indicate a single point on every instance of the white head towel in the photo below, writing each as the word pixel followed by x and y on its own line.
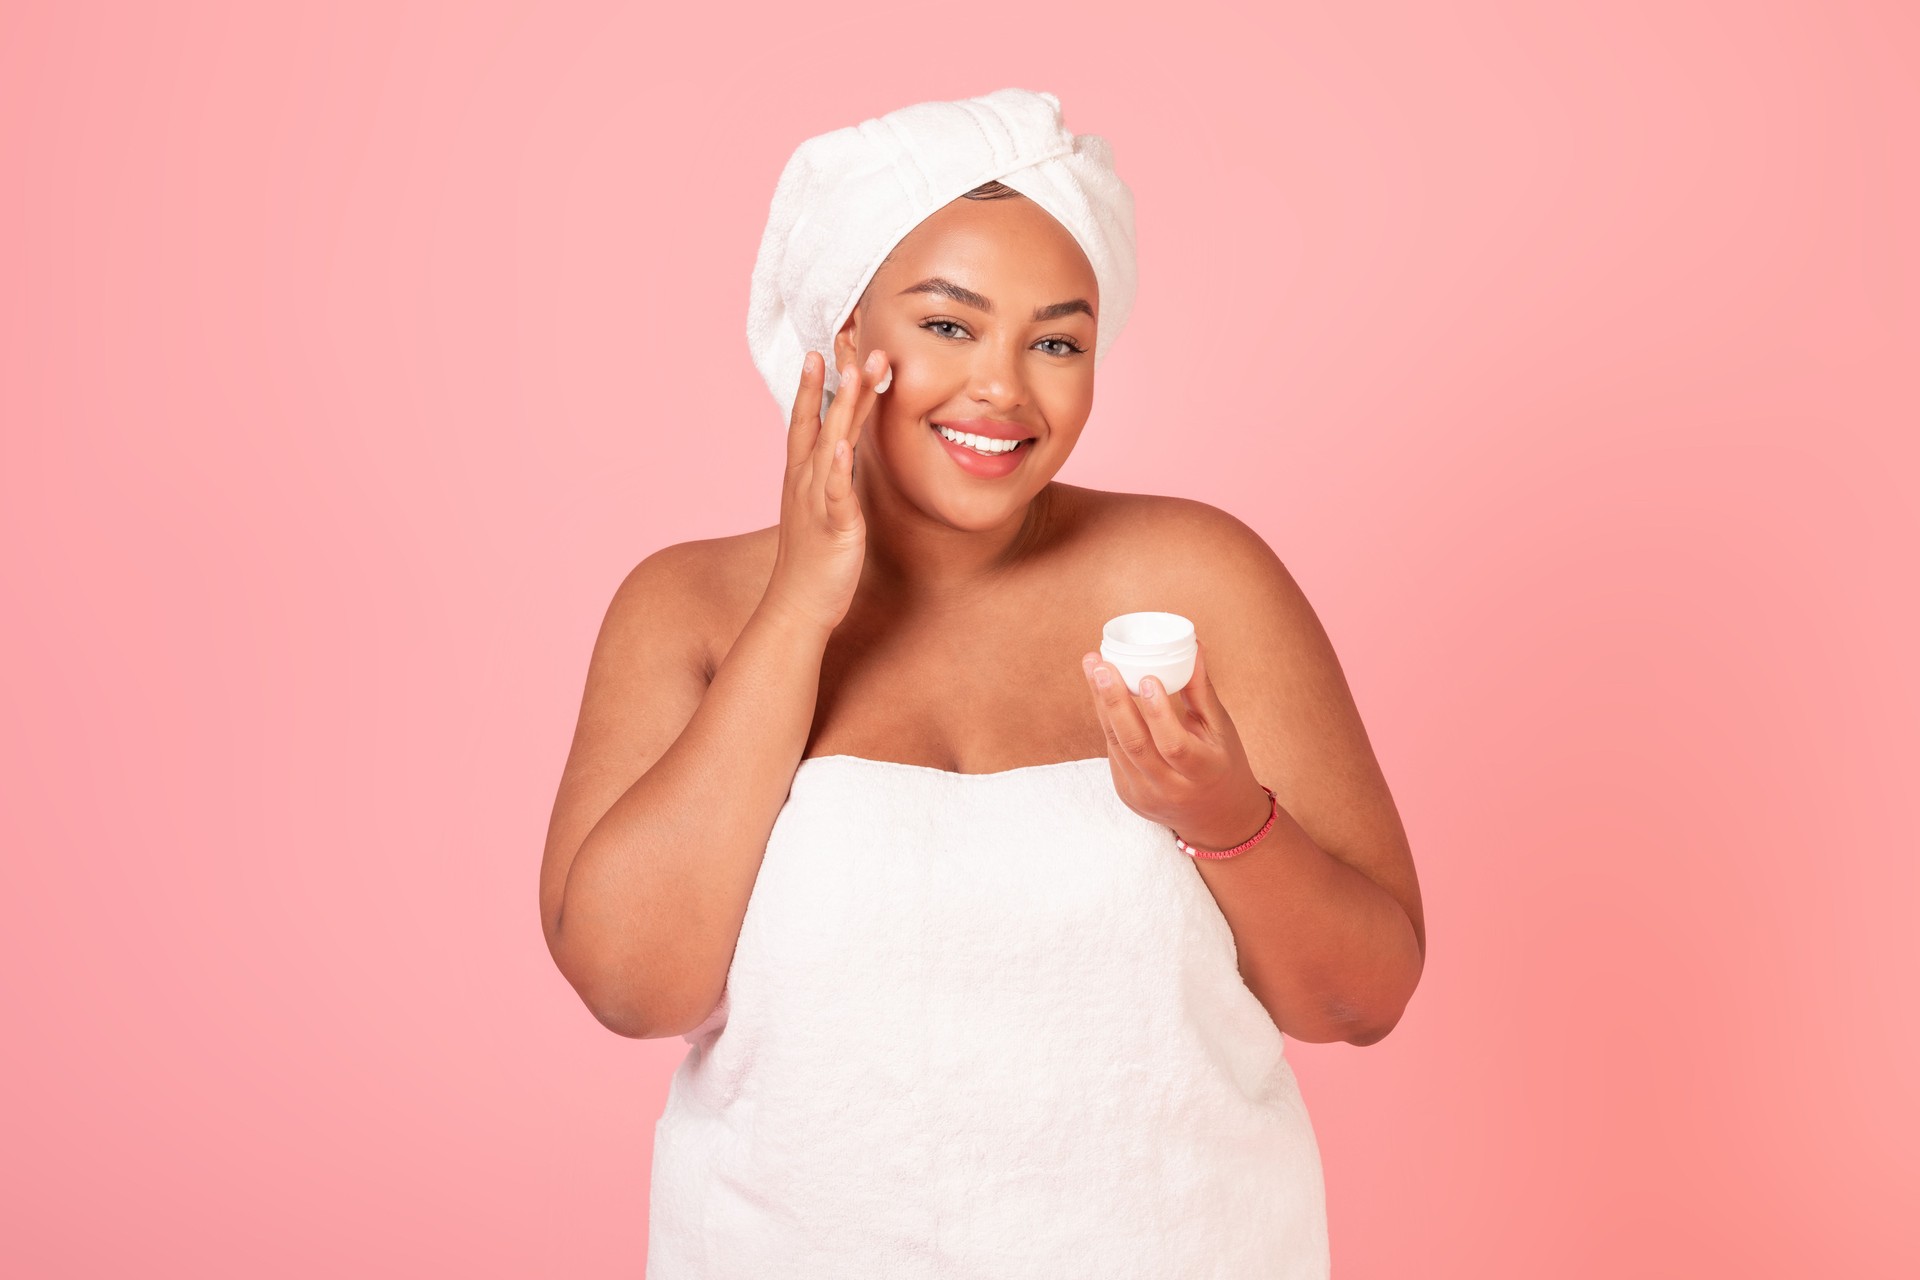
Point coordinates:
pixel 846 198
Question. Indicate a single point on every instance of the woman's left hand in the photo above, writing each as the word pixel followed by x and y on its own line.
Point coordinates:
pixel 1180 762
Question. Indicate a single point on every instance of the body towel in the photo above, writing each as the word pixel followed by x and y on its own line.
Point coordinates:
pixel 982 1025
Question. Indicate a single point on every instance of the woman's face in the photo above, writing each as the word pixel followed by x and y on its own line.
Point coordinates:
pixel 986 310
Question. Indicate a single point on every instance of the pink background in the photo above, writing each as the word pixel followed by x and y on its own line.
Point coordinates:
pixel 353 353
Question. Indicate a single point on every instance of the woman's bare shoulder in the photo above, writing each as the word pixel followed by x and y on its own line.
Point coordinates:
pixel 1133 532
pixel 711 585
pixel 1107 505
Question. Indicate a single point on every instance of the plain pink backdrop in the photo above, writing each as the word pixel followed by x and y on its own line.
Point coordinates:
pixel 351 354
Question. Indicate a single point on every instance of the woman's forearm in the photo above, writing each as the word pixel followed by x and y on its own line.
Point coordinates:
pixel 1329 952
pixel 656 895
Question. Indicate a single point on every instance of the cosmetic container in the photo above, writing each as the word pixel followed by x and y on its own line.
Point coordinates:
pixel 1150 644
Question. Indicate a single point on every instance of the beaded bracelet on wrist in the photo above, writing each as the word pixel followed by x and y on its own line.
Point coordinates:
pixel 1273 813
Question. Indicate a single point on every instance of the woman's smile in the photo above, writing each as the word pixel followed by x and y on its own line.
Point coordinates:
pixel 987 458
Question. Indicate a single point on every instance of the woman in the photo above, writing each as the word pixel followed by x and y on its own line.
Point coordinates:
pixel 855 807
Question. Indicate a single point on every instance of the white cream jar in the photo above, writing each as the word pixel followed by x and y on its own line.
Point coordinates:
pixel 1161 645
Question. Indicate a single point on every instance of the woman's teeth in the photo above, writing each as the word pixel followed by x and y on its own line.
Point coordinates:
pixel 979 444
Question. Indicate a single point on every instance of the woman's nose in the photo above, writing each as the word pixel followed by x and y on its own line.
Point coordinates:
pixel 998 378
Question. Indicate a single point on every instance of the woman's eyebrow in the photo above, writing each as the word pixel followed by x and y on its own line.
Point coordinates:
pixel 941 287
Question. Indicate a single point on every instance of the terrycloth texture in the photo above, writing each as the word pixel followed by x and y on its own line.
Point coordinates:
pixel 982 1025
pixel 847 197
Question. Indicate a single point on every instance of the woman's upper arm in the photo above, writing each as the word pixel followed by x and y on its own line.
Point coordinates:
pixel 1275 669
pixel 644 681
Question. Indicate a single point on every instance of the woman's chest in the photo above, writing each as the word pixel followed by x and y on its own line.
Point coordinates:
pixel 995 682
pixel 971 696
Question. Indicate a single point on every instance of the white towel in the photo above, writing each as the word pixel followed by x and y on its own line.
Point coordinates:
pixel 982 1027
pixel 847 197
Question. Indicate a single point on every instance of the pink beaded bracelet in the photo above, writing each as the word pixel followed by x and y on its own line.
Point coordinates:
pixel 1273 812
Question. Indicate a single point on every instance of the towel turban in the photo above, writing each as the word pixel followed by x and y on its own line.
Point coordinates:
pixel 847 197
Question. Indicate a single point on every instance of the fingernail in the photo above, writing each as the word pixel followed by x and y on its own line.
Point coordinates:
pixel 1149 687
pixel 1101 678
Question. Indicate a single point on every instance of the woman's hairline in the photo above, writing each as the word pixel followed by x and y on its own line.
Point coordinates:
pixel 993 189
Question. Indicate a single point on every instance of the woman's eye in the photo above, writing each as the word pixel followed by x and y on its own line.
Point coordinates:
pixel 941 326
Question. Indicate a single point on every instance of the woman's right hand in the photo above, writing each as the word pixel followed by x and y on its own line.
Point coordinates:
pixel 823 536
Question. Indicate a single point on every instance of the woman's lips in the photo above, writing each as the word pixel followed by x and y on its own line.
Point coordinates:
pixel 987 466
pixel 986 427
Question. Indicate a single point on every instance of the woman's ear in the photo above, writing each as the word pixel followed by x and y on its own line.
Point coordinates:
pixel 846 343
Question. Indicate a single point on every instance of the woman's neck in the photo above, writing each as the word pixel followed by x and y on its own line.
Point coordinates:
pixel 916 563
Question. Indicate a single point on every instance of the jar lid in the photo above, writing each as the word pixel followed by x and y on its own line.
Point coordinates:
pixel 1149 634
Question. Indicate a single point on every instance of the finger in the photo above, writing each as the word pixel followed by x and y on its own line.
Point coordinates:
pixel 1203 697
pixel 879 371
pixel 1127 736
pixel 843 509
pixel 803 429
pixel 834 430
pixel 1167 726
pixel 864 395
pixel 1100 713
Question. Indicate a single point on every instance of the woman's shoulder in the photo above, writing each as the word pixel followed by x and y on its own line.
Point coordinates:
pixel 1149 551
pixel 713 568
pixel 1108 507
pixel 709 586
pixel 1138 533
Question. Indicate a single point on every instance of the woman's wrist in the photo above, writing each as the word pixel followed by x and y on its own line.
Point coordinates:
pixel 794 623
pixel 1235 827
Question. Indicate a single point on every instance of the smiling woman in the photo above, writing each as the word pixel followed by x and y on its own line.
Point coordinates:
pixel 847 811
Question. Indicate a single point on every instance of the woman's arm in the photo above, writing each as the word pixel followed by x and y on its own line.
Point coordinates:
pixel 669 794
pixel 1326 912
